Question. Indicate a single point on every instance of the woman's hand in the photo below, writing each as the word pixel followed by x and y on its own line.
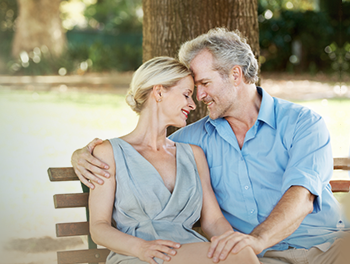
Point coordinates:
pixel 86 166
pixel 157 249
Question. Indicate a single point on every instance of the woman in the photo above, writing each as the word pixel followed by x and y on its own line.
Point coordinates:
pixel 159 186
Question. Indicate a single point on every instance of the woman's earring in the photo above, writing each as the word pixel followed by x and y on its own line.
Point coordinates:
pixel 160 99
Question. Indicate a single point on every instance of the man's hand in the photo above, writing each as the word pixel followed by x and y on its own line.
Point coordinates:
pixel 232 242
pixel 87 166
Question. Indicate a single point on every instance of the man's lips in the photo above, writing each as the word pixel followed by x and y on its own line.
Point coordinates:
pixel 208 103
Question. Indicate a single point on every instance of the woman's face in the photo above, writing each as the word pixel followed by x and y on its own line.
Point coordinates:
pixel 177 102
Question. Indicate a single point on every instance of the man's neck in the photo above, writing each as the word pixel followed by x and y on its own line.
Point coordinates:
pixel 247 114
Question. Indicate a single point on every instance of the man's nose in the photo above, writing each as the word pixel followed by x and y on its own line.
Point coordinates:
pixel 200 93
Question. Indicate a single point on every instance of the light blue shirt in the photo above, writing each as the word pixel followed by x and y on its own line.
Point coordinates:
pixel 288 145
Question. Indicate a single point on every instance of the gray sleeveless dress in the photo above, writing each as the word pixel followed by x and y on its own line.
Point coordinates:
pixel 143 205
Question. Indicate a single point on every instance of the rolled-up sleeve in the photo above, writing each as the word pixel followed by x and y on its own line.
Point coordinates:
pixel 310 162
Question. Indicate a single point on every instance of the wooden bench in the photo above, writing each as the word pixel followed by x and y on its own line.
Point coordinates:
pixel 99 255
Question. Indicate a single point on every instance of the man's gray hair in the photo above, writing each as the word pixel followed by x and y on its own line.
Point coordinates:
pixel 228 48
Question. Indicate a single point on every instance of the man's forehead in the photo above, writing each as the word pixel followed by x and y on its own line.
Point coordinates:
pixel 202 72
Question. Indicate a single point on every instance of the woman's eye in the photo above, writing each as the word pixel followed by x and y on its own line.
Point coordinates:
pixel 187 96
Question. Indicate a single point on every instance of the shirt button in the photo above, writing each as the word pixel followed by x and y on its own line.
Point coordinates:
pixel 252 211
pixel 246 187
pixel 241 158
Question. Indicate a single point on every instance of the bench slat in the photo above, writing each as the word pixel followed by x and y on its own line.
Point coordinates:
pixel 342 163
pixel 82 256
pixel 340 185
pixel 62 174
pixel 72 229
pixel 71 200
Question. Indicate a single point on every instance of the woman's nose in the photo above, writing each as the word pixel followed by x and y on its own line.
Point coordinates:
pixel 192 104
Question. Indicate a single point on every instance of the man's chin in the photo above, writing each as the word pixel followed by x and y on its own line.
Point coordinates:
pixel 213 116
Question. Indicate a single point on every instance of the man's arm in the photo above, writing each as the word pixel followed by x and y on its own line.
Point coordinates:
pixel 87 167
pixel 284 219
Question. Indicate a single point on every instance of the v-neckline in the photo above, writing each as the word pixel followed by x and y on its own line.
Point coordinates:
pixel 157 172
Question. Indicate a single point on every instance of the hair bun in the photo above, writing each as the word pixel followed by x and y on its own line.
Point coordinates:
pixel 130 100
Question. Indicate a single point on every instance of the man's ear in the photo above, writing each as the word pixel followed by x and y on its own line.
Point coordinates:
pixel 236 74
pixel 157 92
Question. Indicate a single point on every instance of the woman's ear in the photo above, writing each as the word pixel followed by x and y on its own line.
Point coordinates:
pixel 157 92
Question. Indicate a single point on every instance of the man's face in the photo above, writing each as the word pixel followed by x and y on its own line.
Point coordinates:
pixel 216 92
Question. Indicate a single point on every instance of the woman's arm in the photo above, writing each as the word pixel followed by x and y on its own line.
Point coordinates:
pixel 213 222
pixel 101 202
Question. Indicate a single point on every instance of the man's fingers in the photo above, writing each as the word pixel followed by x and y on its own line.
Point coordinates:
pixel 217 244
pixel 93 144
pixel 84 180
pixel 240 245
pixel 93 161
pixel 90 176
pixel 230 244
pixel 213 245
pixel 91 168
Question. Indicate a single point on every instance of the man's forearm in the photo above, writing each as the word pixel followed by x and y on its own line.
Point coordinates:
pixel 286 217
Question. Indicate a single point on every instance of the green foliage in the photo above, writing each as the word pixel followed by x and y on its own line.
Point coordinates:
pixel 115 16
pixel 112 41
pixel 310 28
pixel 322 38
pixel 8 14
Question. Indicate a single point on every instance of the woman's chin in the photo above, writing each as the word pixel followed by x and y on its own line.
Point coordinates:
pixel 179 125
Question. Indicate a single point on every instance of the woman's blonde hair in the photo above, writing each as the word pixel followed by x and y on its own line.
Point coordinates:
pixel 165 71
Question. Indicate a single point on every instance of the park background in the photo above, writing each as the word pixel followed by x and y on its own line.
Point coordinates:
pixel 53 104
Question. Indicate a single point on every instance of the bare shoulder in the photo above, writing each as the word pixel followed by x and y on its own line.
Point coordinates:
pixel 199 157
pixel 103 150
pixel 197 152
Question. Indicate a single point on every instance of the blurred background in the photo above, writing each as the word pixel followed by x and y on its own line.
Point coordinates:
pixel 58 96
pixel 296 36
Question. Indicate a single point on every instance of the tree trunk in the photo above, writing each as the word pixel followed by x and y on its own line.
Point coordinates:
pixel 38 24
pixel 169 23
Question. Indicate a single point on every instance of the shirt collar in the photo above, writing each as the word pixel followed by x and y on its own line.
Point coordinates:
pixel 267 108
pixel 266 113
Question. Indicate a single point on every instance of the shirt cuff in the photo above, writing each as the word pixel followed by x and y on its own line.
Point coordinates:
pixel 306 179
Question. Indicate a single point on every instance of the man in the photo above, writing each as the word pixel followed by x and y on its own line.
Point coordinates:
pixel 270 160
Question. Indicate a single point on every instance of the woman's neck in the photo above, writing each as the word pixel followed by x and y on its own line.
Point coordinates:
pixel 150 132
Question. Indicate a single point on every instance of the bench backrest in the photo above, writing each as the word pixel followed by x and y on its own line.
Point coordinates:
pixel 99 255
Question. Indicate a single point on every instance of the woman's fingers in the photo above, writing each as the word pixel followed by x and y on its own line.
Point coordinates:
pixel 162 249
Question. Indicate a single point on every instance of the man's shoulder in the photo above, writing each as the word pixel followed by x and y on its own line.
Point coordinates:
pixel 294 110
pixel 192 132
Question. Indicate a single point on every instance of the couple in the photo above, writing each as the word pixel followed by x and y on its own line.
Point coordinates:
pixel 265 191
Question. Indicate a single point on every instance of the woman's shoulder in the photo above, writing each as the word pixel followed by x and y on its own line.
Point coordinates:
pixel 198 152
pixel 105 148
